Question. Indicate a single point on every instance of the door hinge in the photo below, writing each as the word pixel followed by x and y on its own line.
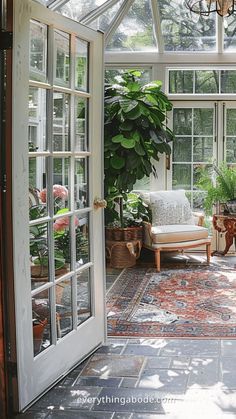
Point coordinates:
pixel 12 368
pixel 6 40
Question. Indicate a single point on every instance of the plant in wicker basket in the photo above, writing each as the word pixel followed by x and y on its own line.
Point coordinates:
pixel 135 133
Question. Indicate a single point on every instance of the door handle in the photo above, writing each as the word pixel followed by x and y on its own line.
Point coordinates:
pixel 99 203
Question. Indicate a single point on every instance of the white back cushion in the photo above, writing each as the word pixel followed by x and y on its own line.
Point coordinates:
pixel 170 207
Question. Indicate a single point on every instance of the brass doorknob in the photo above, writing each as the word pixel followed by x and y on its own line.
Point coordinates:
pixel 99 203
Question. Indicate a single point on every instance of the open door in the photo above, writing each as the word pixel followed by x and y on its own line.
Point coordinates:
pixel 57 176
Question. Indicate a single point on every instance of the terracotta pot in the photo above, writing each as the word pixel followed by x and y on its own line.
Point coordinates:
pixel 38 330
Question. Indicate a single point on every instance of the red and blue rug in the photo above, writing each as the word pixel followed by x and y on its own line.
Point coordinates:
pixel 195 302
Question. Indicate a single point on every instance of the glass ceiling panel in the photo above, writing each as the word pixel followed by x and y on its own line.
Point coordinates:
pixel 181 31
pixel 230 33
pixel 103 21
pixel 76 9
pixel 135 32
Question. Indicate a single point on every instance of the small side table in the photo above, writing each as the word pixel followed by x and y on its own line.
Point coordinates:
pixel 225 224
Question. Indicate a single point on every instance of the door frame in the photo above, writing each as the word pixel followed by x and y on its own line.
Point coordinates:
pixel 8 362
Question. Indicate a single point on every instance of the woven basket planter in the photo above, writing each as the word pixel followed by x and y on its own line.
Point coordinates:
pixel 122 254
pixel 124 234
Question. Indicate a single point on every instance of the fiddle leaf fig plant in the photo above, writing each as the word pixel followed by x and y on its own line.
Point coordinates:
pixel 135 134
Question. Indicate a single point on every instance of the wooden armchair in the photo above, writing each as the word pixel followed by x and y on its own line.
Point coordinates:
pixel 174 226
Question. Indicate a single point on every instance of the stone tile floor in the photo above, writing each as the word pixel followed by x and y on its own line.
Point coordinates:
pixel 147 379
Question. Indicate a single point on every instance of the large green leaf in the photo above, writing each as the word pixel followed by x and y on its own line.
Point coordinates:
pixel 126 125
pixel 139 149
pixel 135 113
pixel 117 162
pixel 118 138
pixel 128 143
pixel 128 105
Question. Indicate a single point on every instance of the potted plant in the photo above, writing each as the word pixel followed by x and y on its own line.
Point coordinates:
pixel 134 212
pixel 220 185
pixel 135 134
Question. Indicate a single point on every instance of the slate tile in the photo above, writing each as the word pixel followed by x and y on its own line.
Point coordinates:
pixel 98 382
pixel 80 415
pixel 108 365
pixel 228 348
pixel 157 362
pixel 64 398
pixel 204 372
pixel 129 382
pixel 129 400
pixel 146 350
pixel 31 415
pixel 180 362
pixel 191 347
pixel 112 348
pixel 227 372
pixel 164 380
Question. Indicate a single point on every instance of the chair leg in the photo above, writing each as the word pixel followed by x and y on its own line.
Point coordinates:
pixel 158 259
pixel 208 250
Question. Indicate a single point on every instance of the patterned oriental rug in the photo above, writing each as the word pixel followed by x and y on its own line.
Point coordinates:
pixel 192 302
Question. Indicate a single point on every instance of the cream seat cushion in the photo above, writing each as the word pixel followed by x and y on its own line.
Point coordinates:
pixel 177 233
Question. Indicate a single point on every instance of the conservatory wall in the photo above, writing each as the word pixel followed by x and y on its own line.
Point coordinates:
pixel 194 58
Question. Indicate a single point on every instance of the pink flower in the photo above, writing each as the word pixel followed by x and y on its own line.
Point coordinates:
pixel 43 195
pixel 59 191
pixel 63 223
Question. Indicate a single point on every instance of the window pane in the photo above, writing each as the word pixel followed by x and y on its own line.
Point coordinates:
pixel 182 149
pixel 41 321
pixel 37 184
pixel 135 32
pixel 83 296
pixel 228 81
pixel 39 255
pixel 62 65
pixel 230 122
pixel 181 32
pixel 181 176
pixel 181 81
pixel 62 245
pixel 231 150
pixel 203 121
pixel 77 9
pixel 81 65
pixel 103 21
pixel 38 51
pixel 61 105
pixel 230 39
pixel 202 149
pixel 207 81
pixel 182 121
pixel 61 189
pixel 37 120
pixel 112 73
pixel 81 116
pixel 81 183
pixel 82 240
pixel 64 309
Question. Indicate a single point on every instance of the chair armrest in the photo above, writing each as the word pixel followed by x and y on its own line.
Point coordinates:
pixel 198 218
pixel 147 234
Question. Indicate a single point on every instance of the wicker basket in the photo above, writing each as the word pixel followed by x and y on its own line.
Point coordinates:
pixel 124 234
pixel 123 254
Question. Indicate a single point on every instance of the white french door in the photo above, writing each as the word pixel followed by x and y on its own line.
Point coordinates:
pixel 204 131
pixel 57 175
